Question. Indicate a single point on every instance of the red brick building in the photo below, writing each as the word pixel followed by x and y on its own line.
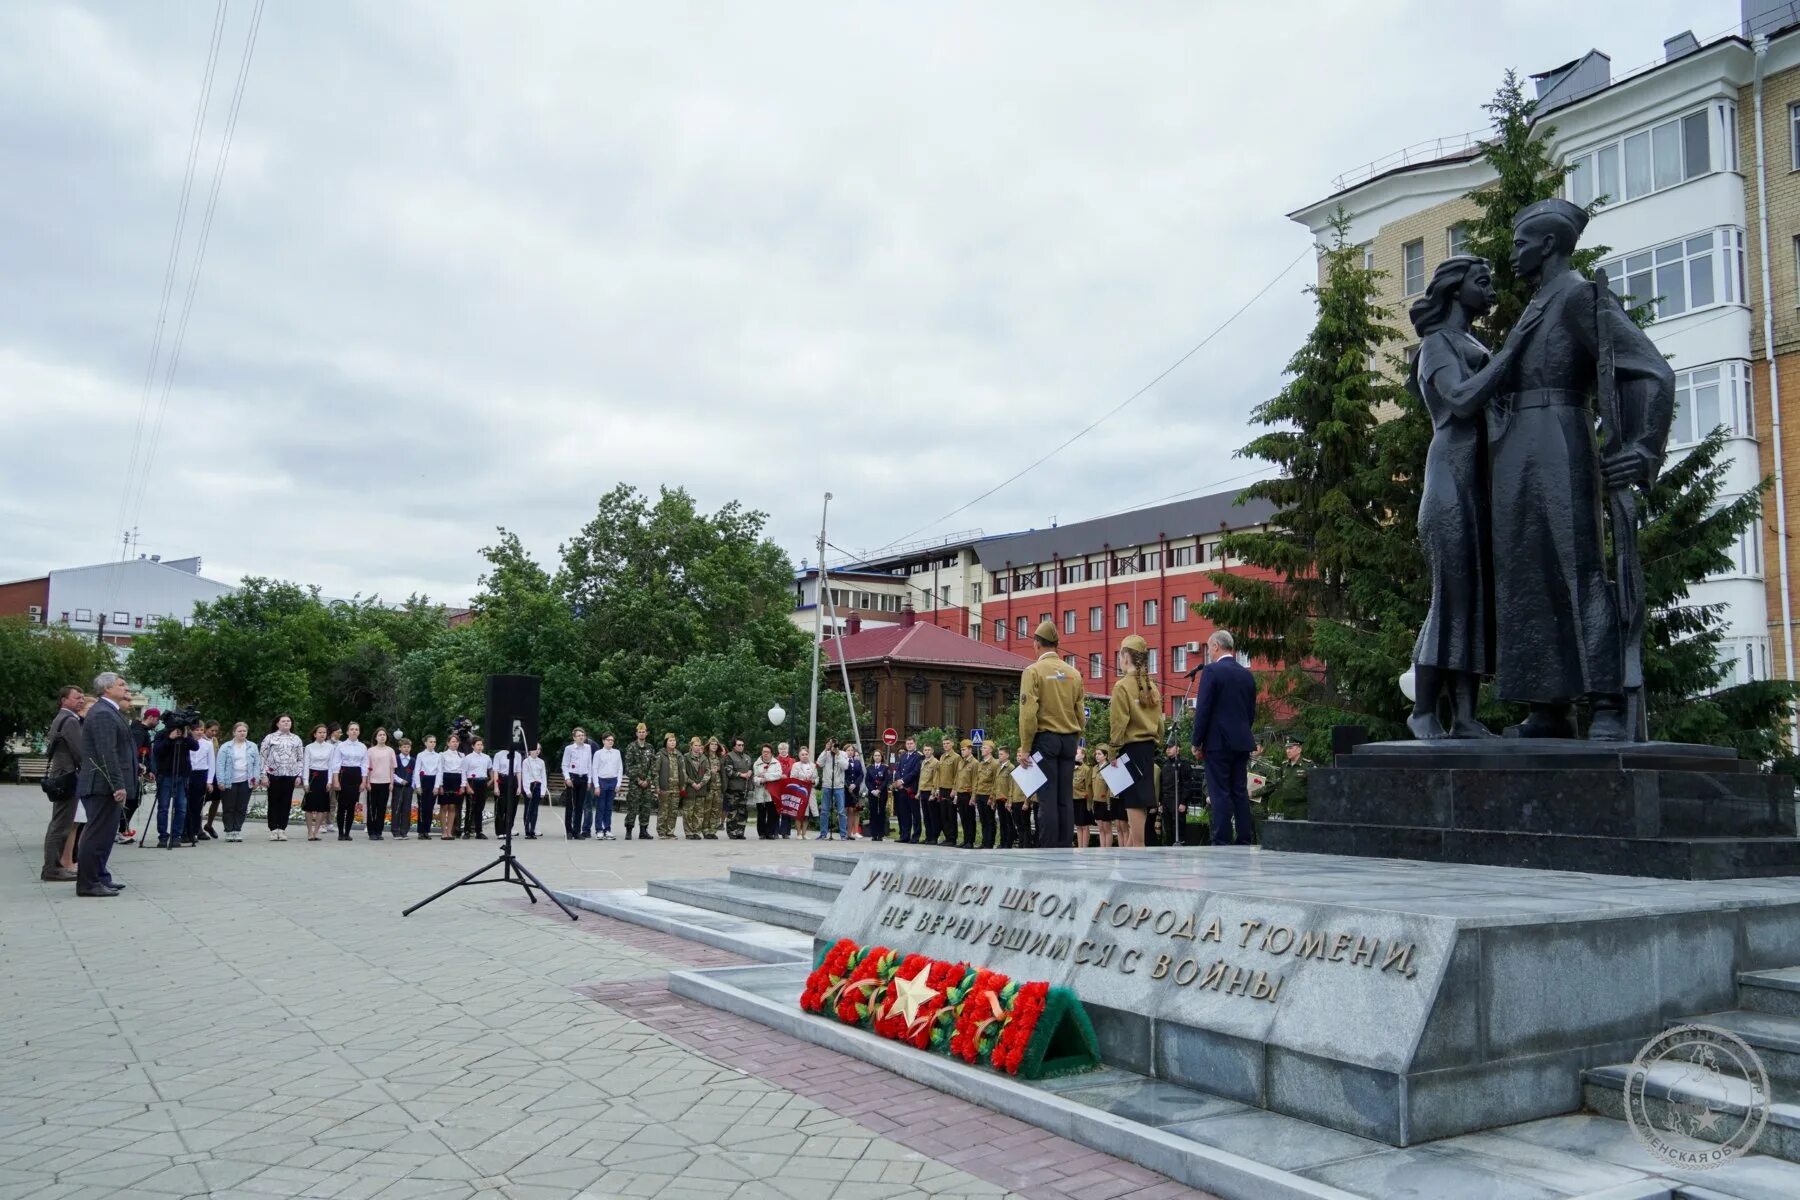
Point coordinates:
pixel 1146 572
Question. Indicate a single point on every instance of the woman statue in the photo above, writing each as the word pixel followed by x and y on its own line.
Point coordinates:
pixel 1455 650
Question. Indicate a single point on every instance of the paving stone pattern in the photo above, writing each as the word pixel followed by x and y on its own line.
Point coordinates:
pixel 257 1020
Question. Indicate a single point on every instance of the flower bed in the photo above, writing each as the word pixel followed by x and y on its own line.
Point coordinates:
pixel 1031 1030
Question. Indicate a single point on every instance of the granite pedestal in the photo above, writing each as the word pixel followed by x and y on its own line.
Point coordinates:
pixel 1395 1000
pixel 1660 809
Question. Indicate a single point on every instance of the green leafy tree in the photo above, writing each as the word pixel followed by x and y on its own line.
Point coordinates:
pixel 35 664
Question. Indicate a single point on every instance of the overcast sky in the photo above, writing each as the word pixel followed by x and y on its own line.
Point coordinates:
pixel 474 264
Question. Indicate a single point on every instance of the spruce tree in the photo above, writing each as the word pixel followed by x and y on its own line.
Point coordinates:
pixel 1321 431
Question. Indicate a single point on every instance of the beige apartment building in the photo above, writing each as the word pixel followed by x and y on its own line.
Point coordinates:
pixel 1673 147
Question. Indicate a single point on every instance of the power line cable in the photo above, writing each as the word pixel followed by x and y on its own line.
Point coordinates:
pixel 1311 248
pixel 212 203
pixel 168 283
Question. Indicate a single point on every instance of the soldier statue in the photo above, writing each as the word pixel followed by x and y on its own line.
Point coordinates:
pixel 1578 404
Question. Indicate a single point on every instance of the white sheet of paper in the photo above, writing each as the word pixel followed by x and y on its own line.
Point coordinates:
pixel 1030 778
pixel 1117 776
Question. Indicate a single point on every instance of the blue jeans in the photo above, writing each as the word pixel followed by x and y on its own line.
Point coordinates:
pixel 601 804
pixel 831 800
pixel 171 807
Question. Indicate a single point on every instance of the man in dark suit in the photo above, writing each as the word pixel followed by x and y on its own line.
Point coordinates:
pixel 1224 718
pixel 108 779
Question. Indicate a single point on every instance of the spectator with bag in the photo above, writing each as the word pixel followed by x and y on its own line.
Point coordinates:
pixel 61 774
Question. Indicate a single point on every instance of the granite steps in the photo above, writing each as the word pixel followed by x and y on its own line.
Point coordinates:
pixel 1293 1158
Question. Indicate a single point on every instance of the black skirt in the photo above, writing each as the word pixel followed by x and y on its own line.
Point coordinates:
pixel 318 799
pixel 452 785
pixel 1141 793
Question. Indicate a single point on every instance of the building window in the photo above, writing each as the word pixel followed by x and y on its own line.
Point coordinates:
pixel 1152 661
pixel 1001 585
pixel 1457 238
pixel 1122 566
pixel 1122 616
pixel 1071 573
pixel 1096 621
pixel 1746 555
pixel 952 712
pixel 975 593
pixel 1181 556
pixel 120 618
pixel 915 710
pixel 984 708
pixel 84 614
pixel 1707 397
pixel 1149 612
pixel 999 629
pixel 1412 267
pixel 1681 277
pixel 1368 250
pixel 1152 561
pixel 1662 156
pixel 1178 659
pixel 1074 663
pixel 1210 598
pixel 1210 553
pixel 1024 627
pixel 944 594
pixel 1068 620
pixel 65 619
pixel 1178 609
pixel 1094 667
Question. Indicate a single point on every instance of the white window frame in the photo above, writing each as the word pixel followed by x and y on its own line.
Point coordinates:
pixel 1096 618
pixel 1586 183
pixel 1096 670
pixel 1178 609
pixel 1734 401
pixel 1152 611
pixel 1407 285
pixel 1455 245
pixel 1122 615
pixel 1723 250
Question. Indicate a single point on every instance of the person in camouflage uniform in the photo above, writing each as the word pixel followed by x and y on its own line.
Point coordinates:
pixel 714 815
pixel 696 779
pixel 640 783
pixel 668 786
pixel 737 790
pixel 1284 793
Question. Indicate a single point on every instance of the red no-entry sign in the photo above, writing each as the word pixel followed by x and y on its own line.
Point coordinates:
pixel 889 736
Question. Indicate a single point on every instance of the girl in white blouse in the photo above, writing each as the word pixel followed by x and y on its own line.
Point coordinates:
pixel 349 777
pixel 316 766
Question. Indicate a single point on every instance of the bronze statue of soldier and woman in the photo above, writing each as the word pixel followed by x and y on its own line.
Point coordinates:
pixel 1537 451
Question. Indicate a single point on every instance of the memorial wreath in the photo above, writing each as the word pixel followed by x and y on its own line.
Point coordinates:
pixel 1030 1029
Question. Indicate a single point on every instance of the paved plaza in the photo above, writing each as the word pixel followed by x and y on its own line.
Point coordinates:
pixel 258 1020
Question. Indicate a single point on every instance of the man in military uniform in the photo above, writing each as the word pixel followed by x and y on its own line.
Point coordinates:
pixel 964 798
pixel 1050 721
pixel 640 783
pixel 737 790
pixel 949 774
pixel 1284 793
pixel 667 777
pixel 696 780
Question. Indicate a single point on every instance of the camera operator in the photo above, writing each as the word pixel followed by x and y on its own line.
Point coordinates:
pixel 169 752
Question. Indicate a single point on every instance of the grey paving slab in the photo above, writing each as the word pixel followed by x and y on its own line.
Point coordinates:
pixel 257 1019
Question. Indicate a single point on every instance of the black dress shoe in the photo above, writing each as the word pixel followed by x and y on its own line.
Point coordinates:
pixel 115 885
pixel 100 891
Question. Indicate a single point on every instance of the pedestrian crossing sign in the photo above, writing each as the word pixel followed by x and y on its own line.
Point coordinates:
pixel 978 736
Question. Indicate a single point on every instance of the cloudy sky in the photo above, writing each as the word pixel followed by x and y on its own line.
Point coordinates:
pixel 472 264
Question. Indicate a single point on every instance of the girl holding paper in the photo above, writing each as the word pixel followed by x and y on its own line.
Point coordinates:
pixel 1136 721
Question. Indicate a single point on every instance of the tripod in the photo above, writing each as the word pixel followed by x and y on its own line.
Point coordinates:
pixel 511 869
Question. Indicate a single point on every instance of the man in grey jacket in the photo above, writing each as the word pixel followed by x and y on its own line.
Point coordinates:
pixel 108 778
pixel 61 775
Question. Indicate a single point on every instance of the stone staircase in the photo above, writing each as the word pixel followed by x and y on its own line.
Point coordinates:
pixel 791 897
pixel 1768 1021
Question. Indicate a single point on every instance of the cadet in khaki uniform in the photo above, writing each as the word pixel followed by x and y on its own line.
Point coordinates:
pixel 965 793
pixel 1084 795
pixel 1050 724
pixel 1102 799
pixel 949 769
pixel 667 777
pixel 696 779
pixel 1003 797
pixel 640 783
pixel 987 772
pixel 928 810
pixel 1136 726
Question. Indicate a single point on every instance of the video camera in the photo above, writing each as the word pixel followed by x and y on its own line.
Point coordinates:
pixel 179 718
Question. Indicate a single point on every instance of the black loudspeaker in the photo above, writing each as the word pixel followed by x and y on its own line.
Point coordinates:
pixel 1345 738
pixel 510 698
